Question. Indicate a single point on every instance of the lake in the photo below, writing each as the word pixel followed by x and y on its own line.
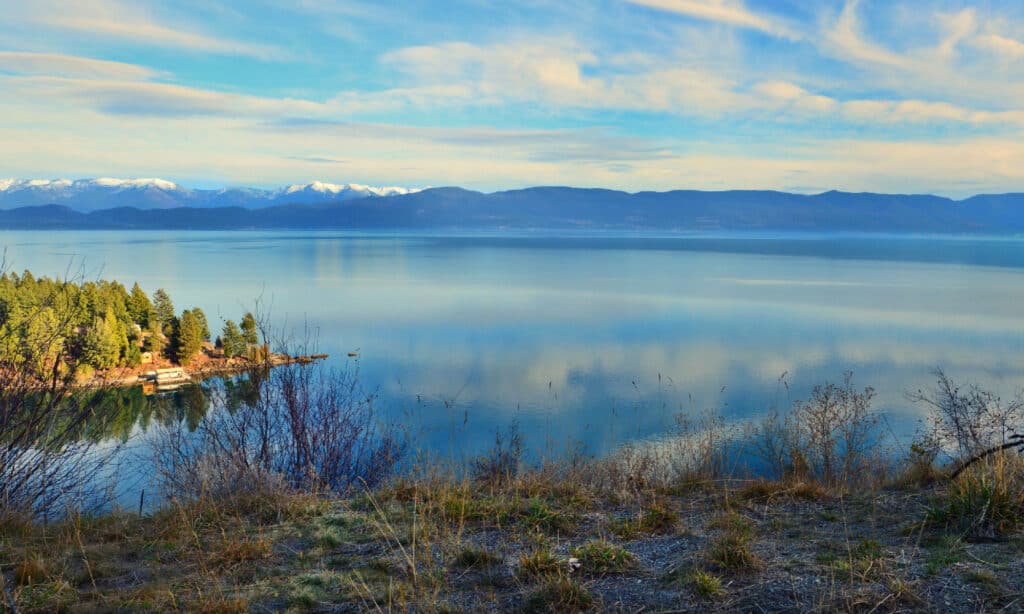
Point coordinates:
pixel 597 339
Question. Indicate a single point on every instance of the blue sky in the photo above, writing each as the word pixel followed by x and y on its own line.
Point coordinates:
pixel 918 96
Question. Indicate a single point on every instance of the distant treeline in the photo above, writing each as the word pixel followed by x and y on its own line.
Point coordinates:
pixel 46 323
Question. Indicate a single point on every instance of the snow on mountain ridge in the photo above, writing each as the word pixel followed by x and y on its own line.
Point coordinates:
pixel 110 182
pixel 104 182
pixel 336 188
pixel 147 193
pixel 46 183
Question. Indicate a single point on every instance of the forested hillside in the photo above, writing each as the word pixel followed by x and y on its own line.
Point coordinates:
pixel 49 323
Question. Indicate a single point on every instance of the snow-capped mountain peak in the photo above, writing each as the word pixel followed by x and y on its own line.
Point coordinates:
pixel 50 184
pixel 317 186
pixel 153 193
pixel 324 187
pixel 110 182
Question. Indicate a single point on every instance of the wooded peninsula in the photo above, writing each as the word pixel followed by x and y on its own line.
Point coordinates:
pixel 102 326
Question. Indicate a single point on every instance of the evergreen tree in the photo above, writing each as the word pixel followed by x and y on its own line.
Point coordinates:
pixel 101 347
pixel 232 340
pixel 154 341
pixel 173 332
pixel 132 355
pixel 190 337
pixel 43 339
pixel 140 309
pixel 249 334
pixel 163 309
pixel 204 325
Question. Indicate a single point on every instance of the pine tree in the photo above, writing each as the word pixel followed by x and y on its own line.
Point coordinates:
pixel 231 338
pixel 190 337
pixel 249 334
pixel 132 355
pixel 163 308
pixel 140 309
pixel 43 339
pixel 102 345
pixel 204 325
pixel 155 339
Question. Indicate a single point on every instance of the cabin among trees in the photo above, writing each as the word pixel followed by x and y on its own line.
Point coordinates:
pixel 47 323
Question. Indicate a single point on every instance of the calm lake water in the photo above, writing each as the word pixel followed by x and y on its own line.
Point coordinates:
pixel 597 339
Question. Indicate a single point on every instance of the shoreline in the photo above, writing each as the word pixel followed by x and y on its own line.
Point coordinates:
pixel 128 377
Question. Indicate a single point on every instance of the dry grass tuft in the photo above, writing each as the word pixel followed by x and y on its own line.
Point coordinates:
pixel 560 595
pixel 541 563
pixel 731 548
pixel 602 556
pixel 986 500
pixel 30 571
pixel 769 490
pixel 657 518
pixel 706 584
pixel 231 552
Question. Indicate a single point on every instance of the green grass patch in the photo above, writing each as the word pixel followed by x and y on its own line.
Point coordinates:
pixel 601 556
pixel 541 563
pixel 539 514
pixel 706 584
pixel 559 595
pixel 986 500
pixel 658 518
pixel 475 558
pixel 731 551
pixel 947 550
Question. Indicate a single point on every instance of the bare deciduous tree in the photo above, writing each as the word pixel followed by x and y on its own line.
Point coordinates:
pixel 966 420
pixel 45 462
pixel 308 427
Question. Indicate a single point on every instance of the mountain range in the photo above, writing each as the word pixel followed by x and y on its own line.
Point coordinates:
pixel 107 193
pixel 156 204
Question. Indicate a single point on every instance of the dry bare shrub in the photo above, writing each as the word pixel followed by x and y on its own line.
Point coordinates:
pixel 499 465
pixel 301 427
pixel 830 438
pixel 966 419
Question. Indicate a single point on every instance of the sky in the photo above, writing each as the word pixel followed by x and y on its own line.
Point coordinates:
pixel 915 96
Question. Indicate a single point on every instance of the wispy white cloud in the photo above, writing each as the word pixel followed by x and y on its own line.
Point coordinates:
pixel 49 138
pixel 846 40
pixel 1000 45
pixel 796 102
pixel 941 66
pixel 149 33
pixel 561 73
pixel 553 74
pixel 151 99
pixel 112 20
pixel 56 64
pixel 958 26
pixel 731 12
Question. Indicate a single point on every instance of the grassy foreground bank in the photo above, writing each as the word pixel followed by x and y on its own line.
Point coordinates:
pixel 294 499
pixel 548 539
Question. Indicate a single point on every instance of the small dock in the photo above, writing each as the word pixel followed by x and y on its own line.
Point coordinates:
pixel 164 378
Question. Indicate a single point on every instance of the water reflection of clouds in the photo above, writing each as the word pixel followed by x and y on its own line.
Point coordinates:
pixel 494 321
pixel 699 366
pixel 430 303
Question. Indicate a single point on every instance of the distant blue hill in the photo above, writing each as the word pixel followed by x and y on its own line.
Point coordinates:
pixel 570 208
